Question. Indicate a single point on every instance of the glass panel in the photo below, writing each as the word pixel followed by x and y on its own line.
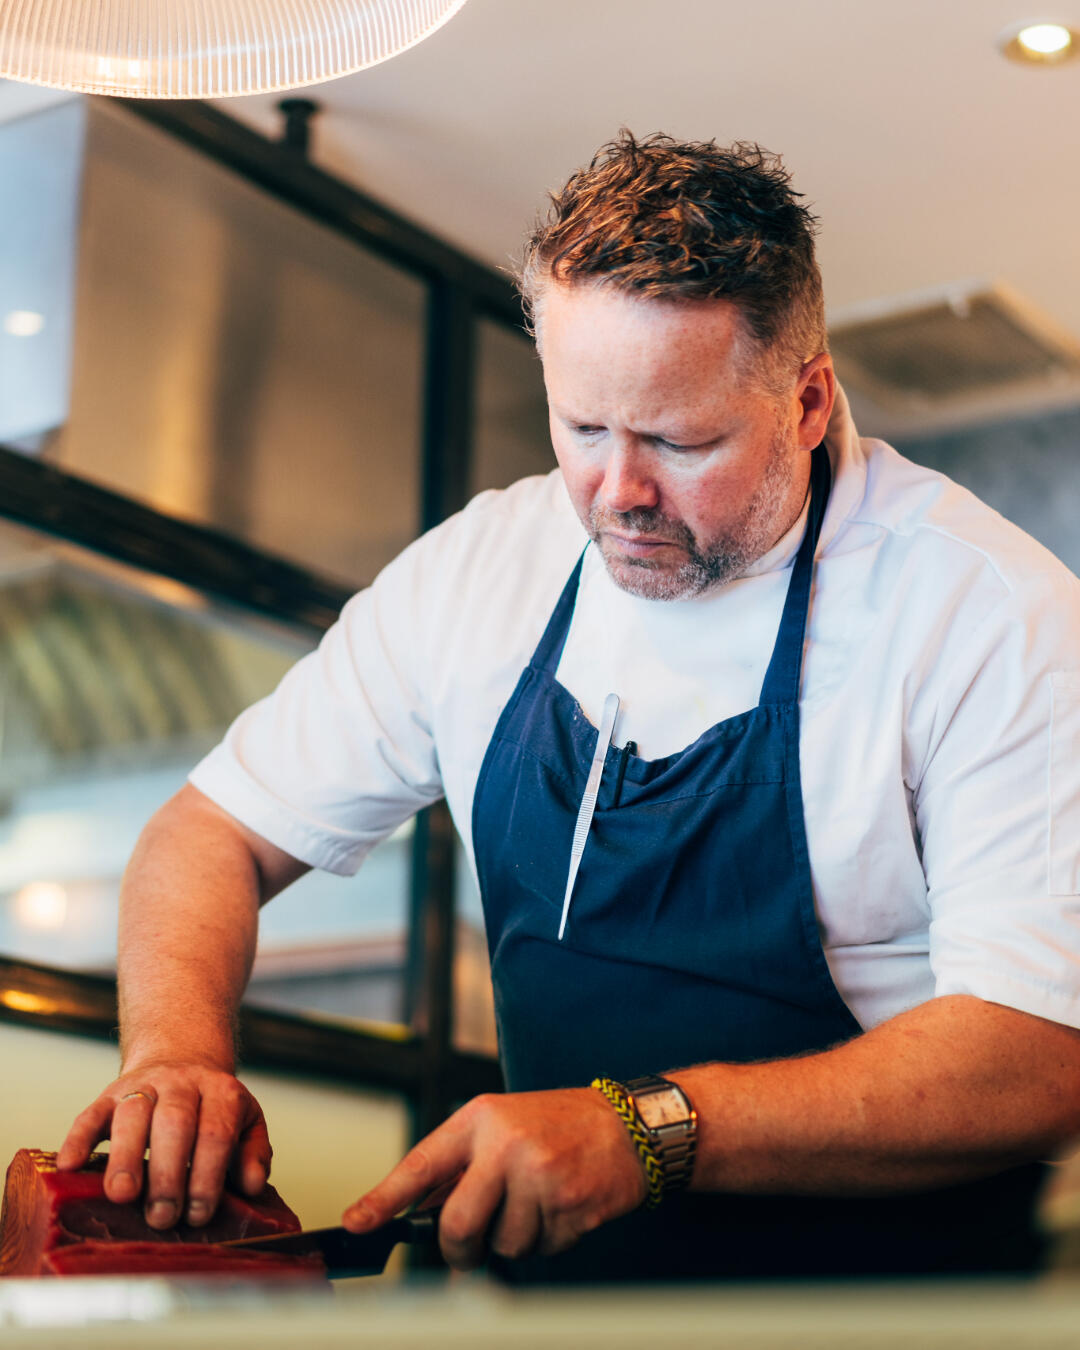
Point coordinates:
pixel 40 167
pixel 112 684
pixel 336 946
pixel 510 438
pixel 236 363
pixel 474 1008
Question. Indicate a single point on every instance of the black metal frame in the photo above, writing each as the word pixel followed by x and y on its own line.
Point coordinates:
pixel 65 1000
pixel 47 498
pixel 422 1064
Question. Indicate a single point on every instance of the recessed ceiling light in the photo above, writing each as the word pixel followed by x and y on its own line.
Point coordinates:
pixel 23 323
pixel 1044 43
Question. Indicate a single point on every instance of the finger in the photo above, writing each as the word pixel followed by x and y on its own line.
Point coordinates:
pixel 172 1137
pixel 468 1216
pixel 220 1115
pixel 516 1231
pixel 439 1195
pixel 559 1231
pixel 435 1160
pixel 87 1131
pixel 128 1135
pixel 255 1153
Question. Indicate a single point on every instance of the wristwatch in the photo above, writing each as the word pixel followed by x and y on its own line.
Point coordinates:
pixel 671 1124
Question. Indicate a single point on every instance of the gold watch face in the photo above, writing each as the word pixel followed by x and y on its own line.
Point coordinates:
pixel 657 1109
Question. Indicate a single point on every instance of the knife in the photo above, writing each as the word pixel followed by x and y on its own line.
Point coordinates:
pixel 346 1253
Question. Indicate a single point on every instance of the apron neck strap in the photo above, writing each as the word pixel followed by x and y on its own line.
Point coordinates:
pixel 549 649
pixel 781 683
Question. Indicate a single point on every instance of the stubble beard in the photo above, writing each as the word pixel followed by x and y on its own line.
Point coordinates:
pixel 708 565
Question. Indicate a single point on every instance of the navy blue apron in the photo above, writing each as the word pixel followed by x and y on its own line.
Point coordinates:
pixel 692 936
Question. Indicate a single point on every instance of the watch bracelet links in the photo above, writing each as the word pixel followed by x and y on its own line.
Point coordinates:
pixel 619 1099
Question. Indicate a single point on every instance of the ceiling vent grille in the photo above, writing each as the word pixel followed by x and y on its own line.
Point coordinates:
pixel 951 345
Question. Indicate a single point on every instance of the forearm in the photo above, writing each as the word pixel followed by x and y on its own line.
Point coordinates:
pixel 188 919
pixel 954 1089
pixel 188 924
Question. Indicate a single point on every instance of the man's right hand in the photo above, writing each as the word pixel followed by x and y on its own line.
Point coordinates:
pixel 198 1121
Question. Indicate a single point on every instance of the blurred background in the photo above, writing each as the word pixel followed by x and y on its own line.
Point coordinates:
pixel 224 334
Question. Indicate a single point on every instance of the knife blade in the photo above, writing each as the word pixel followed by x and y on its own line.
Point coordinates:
pixel 347 1254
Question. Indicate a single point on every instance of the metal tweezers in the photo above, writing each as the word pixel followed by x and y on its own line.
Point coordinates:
pixel 588 802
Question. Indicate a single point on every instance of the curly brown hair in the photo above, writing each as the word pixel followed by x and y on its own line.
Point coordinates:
pixel 673 220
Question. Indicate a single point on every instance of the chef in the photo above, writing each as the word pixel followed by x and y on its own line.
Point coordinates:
pixel 764 743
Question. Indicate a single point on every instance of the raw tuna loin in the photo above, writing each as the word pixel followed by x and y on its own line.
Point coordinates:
pixel 60 1223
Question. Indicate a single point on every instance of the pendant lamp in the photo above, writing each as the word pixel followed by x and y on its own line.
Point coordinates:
pixel 205 48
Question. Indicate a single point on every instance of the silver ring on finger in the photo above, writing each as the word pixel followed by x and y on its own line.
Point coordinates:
pixel 130 1096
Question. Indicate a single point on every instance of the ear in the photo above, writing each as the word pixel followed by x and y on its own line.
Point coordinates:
pixel 815 395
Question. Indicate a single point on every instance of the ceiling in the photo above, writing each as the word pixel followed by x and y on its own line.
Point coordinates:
pixel 930 159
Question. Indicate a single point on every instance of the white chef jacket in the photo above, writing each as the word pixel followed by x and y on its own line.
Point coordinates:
pixel 940 715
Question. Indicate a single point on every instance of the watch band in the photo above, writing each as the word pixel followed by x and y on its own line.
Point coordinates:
pixel 670 1123
pixel 619 1099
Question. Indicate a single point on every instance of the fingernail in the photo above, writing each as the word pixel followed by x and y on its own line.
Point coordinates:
pixel 161 1213
pixel 359 1217
pixel 198 1212
pixel 124 1181
pixel 254 1178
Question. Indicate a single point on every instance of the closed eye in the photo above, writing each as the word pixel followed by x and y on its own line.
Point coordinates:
pixel 674 445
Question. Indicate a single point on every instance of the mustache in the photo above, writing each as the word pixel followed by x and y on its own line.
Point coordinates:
pixel 653 523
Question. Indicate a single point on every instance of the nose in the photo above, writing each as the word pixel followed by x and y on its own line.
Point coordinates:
pixel 629 484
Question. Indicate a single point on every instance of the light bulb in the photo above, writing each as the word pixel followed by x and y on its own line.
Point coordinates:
pixel 18 1000
pixel 1045 38
pixel 41 904
pixel 1039 44
pixel 23 323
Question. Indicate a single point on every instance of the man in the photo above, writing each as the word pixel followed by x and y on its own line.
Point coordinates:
pixel 831 705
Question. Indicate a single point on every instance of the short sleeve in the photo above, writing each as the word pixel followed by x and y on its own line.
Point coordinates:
pixel 1063 862
pixel 998 804
pixel 342 752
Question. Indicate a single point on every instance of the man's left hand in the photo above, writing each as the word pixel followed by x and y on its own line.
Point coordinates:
pixel 529 1172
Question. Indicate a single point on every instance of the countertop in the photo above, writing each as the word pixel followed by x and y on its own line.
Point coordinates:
pixel 470 1313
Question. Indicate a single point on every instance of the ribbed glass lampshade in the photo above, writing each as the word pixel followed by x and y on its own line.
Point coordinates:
pixel 205 48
